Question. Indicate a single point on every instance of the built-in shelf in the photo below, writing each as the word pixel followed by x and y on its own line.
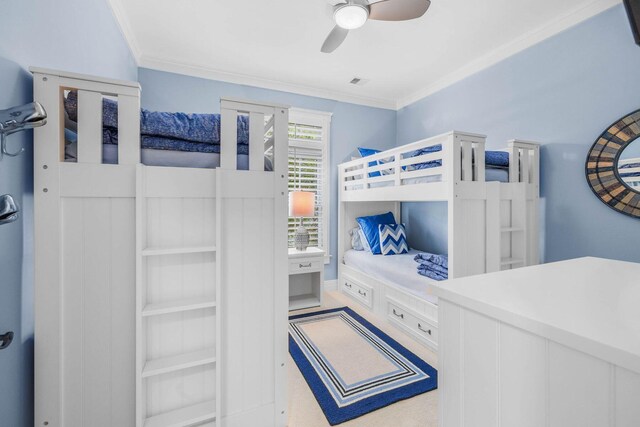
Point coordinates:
pixel 178 250
pixel 179 362
pixel 298 302
pixel 511 229
pixel 177 306
pixel 511 261
pixel 190 415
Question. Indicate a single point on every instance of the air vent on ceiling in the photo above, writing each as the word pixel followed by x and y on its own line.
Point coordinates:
pixel 359 81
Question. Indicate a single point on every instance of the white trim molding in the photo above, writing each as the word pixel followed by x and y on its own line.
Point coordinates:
pixel 243 79
pixel 503 52
pixel 125 28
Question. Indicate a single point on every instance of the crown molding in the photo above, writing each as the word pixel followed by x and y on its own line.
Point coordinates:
pixel 243 79
pixel 125 28
pixel 527 40
pixel 523 42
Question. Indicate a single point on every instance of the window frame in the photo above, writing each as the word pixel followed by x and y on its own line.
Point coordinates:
pixel 320 119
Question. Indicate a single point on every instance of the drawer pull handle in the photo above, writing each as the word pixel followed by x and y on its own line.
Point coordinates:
pixel 304 265
pixel 347 285
pixel 399 315
pixel 424 330
pixel 364 294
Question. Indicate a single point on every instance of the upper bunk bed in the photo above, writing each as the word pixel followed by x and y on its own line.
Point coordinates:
pixel 140 273
pixel 440 168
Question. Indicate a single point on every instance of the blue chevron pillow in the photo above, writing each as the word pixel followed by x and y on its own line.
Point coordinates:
pixel 393 239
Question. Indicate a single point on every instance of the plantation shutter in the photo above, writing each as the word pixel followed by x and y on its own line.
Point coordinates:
pixel 307 173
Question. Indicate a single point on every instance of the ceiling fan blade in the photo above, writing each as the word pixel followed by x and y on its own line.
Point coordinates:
pixel 334 39
pixel 398 10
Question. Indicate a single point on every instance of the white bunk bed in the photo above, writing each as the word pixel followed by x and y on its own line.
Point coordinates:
pixel 629 170
pixel 146 313
pixel 492 225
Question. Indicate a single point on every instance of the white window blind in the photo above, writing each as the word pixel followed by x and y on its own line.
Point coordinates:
pixel 308 172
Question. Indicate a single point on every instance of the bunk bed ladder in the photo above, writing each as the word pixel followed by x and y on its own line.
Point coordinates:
pixel 177 324
pixel 514 234
pixel 506 228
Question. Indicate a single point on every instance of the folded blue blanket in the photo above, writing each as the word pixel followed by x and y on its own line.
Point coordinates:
pixel 498 159
pixel 427 258
pixel 427 271
pixel 202 128
pixel 110 136
pixel 434 267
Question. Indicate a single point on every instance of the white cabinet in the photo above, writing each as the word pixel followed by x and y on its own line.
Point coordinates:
pixel 552 345
pixel 306 276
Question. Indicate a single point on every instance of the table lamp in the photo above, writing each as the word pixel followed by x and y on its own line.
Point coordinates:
pixel 301 205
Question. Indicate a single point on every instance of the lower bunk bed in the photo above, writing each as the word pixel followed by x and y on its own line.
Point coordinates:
pixel 390 287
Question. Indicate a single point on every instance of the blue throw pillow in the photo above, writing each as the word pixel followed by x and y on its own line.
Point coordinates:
pixel 369 226
pixel 364 152
pixel 393 239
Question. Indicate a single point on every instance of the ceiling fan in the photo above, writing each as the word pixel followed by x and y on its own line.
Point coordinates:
pixel 352 14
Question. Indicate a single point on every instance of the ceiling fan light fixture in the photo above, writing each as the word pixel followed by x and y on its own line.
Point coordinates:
pixel 351 16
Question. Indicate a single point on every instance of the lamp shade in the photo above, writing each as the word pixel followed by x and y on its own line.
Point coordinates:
pixel 301 204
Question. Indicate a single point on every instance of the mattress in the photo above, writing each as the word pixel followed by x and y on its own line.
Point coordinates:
pixel 398 270
pixel 168 158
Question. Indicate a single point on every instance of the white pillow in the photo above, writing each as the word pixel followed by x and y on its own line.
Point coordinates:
pixel 356 241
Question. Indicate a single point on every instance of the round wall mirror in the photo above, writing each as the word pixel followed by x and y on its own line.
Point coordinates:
pixel 613 166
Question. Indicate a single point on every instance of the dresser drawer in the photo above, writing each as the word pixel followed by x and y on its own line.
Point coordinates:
pixel 358 291
pixel 412 322
pixel 305 265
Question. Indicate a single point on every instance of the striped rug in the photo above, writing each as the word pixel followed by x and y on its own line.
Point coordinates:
pixel 351 366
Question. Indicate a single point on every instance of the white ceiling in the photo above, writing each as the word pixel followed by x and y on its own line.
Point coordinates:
pixel 276 43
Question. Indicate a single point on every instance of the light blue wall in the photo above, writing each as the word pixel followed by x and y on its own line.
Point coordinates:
pixel 73 35
pixel 351 125
pixel 562 92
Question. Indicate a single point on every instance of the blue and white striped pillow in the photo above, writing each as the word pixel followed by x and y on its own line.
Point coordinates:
pixel 393 239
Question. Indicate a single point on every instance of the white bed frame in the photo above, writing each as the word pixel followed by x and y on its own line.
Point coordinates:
pixel 491 225
pixel 160 293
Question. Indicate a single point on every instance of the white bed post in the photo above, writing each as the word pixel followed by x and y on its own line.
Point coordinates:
pixel 281 185
pixel 524 157
pixel 47 268
pixel 452 164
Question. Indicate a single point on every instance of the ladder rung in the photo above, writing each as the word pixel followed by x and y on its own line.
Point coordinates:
pixel 184 416
pixel 511 261
pixel 177 306
pixel 511 229
pixel 178 250
pixel 179 362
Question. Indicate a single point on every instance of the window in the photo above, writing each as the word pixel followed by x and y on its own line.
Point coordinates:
pixel 309 171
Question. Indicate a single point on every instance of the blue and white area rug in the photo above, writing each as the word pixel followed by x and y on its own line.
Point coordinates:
pixel 351 366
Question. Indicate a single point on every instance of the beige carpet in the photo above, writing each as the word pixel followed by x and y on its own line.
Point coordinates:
pixel 419 411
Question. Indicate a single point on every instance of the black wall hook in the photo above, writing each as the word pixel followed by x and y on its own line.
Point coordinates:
pixel 5 340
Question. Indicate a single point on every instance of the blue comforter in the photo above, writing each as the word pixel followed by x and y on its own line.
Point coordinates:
pixel 195 128
pixel 110 136
pixel 496 159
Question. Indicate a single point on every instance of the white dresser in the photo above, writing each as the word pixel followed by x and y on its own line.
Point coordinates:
pixel 554 345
